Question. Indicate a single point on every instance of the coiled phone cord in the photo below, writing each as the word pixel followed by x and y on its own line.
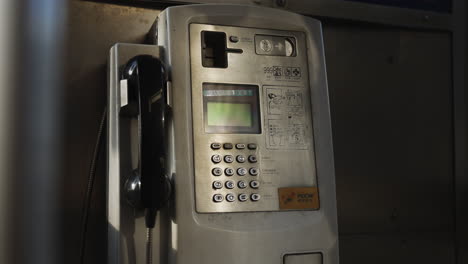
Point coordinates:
pixel 89 188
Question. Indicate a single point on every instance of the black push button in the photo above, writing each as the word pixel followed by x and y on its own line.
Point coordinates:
pixel 252 146
pixel 252 159
pixel 215 145
pixel 227 146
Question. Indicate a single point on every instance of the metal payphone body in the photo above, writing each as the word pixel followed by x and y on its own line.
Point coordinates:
pixel 250 151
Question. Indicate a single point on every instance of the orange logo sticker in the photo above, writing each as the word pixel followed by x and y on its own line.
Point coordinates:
pixel 294 198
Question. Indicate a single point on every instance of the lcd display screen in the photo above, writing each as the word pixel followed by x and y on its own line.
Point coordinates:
pixel 231 108
pixel 229 114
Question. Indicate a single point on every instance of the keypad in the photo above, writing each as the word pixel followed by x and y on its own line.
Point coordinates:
pixel 234 161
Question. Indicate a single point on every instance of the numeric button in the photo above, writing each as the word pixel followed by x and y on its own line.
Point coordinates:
pixel 230 197
pixel 229 184
pixel 228 158
pixel 253 171
pixel 243 197
pixel 216 158
pixel 252 159
pixel 242 184
pixel 217 185
pixel 254 184
pixel 241 171
pixel 229 171
pixel 255 197
pixel 218 198
pixel 240 158
pixel 217 171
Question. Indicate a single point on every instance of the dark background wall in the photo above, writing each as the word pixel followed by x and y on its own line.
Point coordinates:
pixel 432 5
pixel 391 98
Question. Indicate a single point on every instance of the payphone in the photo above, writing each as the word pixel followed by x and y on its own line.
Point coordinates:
pixel 223 123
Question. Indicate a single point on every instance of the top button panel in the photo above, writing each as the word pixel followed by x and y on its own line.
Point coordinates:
pixel 216 145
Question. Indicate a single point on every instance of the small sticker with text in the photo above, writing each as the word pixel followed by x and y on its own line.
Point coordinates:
pixel 294 198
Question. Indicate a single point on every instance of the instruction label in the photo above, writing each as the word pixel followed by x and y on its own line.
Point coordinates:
pixel 285 118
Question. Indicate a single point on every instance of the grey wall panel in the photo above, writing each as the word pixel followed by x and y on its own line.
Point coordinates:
pixel 392 119
pixel 93 29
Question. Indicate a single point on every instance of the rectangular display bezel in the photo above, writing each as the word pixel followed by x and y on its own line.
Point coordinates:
pixel 252 100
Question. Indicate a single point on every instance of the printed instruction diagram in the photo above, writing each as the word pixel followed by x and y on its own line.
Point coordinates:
pixel 286 122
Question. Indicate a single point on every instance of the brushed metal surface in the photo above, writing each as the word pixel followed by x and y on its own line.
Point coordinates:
pixel 282 161
pixel 235 238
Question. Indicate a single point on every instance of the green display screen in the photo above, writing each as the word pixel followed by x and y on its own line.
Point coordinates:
pixel 229 114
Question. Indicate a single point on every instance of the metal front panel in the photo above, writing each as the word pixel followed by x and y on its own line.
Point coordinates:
pixel 285 149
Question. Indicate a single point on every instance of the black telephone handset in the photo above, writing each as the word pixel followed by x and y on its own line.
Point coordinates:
pixel 147 101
